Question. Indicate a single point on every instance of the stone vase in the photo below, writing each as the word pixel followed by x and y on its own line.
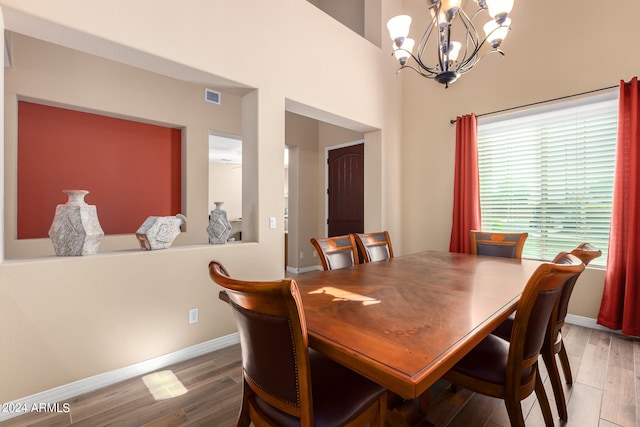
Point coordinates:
pixel 75 230
pixel 158 232
pixel 219 226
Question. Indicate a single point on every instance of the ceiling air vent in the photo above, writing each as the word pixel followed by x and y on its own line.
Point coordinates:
pixel 212 96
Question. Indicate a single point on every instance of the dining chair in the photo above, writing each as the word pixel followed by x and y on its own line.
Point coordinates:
pixel 336 252
pixel 508 370
pixel 285 383
pixel 374 246
pixel 553 343
pixel 506 245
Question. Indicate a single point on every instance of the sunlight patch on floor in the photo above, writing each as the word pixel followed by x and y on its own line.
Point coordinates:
pixel 164 385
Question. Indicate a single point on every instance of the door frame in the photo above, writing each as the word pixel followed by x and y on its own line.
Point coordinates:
pixel 326 178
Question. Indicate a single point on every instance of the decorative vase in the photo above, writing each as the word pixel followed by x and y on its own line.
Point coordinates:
pixel 158 232
pixel 75 230
pixel 219 226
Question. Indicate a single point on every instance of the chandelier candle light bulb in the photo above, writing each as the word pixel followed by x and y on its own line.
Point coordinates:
pixel 453 58
pixel 398 27
pixel 405 53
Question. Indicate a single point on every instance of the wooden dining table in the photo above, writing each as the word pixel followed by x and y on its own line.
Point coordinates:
pixel 406 321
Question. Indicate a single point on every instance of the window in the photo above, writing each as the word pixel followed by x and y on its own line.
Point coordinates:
pixel 549 172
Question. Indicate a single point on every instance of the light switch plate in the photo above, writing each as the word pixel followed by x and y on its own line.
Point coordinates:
pixel 193 315
pixel 272 222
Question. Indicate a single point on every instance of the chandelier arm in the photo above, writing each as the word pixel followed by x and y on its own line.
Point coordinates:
pixel 418 60
pixel 425 38
pixel 474 59
pixel 444 62
pixel 429 75
pixel 422 46
pixel 465 69
pixel 472 37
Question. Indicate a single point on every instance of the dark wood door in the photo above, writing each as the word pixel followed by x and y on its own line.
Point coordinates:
pixel 346 190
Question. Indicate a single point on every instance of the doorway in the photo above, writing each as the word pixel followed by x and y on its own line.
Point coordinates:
pixel 345 189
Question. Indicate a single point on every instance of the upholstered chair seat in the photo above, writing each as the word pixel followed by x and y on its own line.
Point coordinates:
pixel 332 406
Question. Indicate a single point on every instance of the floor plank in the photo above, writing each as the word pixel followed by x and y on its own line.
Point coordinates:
pixel 593 366
pixel 606 393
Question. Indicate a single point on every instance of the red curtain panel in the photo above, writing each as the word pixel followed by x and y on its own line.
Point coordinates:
pixel 620 308
pixel 466 192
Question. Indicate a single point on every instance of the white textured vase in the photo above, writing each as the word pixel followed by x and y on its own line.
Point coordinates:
pixel 75 230
pixel 158 232
pixel 219 226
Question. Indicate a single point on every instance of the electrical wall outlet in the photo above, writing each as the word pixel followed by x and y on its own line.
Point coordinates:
pixel 193 315
pixel 301 255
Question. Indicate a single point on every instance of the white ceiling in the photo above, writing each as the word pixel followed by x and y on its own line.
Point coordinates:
pixel 224 149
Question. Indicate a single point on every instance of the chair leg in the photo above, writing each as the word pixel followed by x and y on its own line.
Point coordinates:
pixel 543 400
pixel 556 383
pixel 424 401
pixel 382 413
pixel 564 360
pixel 515 412
pixel 244 418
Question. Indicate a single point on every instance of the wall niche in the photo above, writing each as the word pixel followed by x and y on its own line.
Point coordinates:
pixel 132 170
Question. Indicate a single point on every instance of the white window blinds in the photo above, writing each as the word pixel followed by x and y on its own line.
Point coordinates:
pixel 549 172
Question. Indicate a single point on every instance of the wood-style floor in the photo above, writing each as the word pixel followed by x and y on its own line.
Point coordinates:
pixel 605 393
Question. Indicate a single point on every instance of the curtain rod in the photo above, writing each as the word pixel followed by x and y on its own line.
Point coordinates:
pixel 453 121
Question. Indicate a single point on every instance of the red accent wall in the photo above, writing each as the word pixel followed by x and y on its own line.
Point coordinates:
pixel 132 170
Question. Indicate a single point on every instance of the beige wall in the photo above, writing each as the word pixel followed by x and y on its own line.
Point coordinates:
pixel 69 319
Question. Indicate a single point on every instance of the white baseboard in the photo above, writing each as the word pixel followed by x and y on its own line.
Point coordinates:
pixel 295 270
pixel 77 388
pixel 588 322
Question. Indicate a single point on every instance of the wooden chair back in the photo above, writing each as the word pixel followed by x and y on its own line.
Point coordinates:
pixel 278 366
pixel 336 252
pixel 374 246
pixel 586 253
pixel 538 302
pixel 274 342
pixel 554 344
pixel 505 245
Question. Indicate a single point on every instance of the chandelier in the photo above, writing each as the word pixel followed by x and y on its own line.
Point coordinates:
pixel 457 49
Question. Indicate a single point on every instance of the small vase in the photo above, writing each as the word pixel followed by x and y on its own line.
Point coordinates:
pixel 158 232
pixel 75 230
pixel 219 226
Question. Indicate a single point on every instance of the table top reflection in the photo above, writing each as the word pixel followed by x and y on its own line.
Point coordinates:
pixel 406 321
